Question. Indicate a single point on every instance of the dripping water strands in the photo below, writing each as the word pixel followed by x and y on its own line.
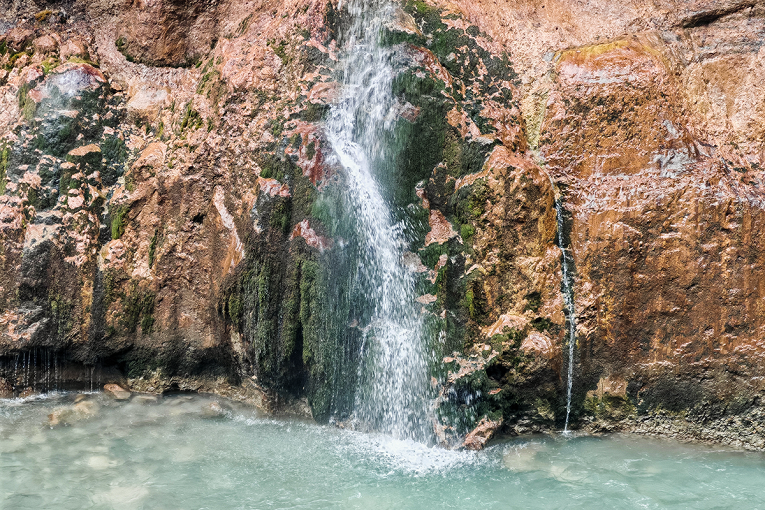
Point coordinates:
pixel 30 372
pixel 567 278
pixel 393 370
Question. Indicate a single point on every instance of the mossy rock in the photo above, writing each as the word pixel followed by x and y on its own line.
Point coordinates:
pixel 138 309
pixel 87 157
pixel 119 220
pixel 5 153
pixel 610 407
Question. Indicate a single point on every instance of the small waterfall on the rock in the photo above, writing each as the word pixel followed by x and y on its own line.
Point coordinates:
pixel 568 299
pixel 393 378
pixel 33 371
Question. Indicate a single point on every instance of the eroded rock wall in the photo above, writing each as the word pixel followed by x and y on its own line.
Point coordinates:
pixel 635 113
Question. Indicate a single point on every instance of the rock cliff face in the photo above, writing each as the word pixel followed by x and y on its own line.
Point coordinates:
pixel 168 215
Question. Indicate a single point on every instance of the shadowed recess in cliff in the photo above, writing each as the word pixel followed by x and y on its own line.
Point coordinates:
pixel 40 370
pixel 393 371
pixel 33 371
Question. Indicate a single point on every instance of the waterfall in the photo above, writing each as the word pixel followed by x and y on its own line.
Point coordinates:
pixel 568 298
pixel 393 371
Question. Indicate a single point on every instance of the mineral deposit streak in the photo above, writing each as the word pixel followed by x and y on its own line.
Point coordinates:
pixel 393 369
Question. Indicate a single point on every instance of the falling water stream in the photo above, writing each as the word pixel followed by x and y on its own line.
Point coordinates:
pixel 393 369
pixel 568 299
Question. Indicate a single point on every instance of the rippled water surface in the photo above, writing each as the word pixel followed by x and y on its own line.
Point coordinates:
pixel 181 452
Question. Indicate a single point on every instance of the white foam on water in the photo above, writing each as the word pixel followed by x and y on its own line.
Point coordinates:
pixel 38 397
pixel 407 456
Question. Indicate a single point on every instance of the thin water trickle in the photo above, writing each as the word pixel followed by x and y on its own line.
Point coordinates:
pixel 568 299
pixel 393 369
pixel 36 371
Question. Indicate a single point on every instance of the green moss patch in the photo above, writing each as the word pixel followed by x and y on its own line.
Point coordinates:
pixel 191 118
pixel 27 105
pixel 119 221
pixel 62 314
pixel 122 46
pixel 281 49
pixel 5 154
pixel 43 16
pixel 138 308
pixel 153 247
pixel 610 407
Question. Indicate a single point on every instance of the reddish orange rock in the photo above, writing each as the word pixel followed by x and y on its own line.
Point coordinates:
pixel 481 434
pixel 117 392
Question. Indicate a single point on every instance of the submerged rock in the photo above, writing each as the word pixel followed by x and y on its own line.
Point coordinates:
pixel 117 392
pixel 145 399
pixel 70 415
pixel 216 410
pixel 525 457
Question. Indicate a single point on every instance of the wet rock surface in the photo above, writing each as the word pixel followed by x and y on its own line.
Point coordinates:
pixel 166 206
pixel 117 392
pixel 482 434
